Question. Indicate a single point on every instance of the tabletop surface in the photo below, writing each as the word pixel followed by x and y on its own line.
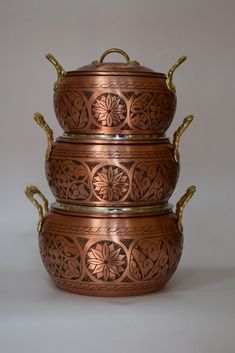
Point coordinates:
pixel 194 313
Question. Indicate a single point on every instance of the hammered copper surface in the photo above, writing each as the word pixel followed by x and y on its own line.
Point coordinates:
pixel 112 173
pixel 110 255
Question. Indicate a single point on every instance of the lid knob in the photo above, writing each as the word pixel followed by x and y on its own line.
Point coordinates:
pixel 115 50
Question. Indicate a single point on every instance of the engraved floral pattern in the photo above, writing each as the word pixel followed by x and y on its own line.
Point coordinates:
pixel 152 259
pixel 68 179
pixel 106 260
pixel 70 109
pixel 109 110
pixel 152 111
pixel 153 181
pixel 111 183
pixel 60 256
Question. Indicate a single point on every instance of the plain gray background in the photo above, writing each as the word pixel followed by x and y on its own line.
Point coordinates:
pixel 196 311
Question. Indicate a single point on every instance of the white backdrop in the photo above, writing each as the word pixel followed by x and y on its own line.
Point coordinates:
pixel 196 313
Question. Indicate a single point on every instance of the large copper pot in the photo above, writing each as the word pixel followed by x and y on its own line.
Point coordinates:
pixel 112 171
pixel 114 98
pixel 105 252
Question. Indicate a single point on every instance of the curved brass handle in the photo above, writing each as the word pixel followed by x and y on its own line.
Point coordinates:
pixel 115 50
pixel 30 191
pixel 181 205
pixel 60 71
pixel 177 135
pixel 42 123
pixel 169 82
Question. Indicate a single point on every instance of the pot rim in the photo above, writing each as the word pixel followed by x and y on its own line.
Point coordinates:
pixel 115 69
pixel 104 211
pixel 112 139
pixel 113 73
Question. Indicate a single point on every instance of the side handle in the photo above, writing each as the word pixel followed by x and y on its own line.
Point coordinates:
pixel 59 69
pixel 169 82
pixel 181 205
pixel 42 123
pixel 30 192
pixel 177 135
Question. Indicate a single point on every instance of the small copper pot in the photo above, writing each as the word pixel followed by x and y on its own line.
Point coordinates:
pixel 114 98
pixel 112 171
pixel 110 252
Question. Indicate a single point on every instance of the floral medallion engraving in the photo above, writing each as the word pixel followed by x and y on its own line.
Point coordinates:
pixel 106 260
pixel 109 109
pixel 111 183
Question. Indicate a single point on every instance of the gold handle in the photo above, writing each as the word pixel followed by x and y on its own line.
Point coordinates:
pixel 181 205
pixel 115 50
pixel 60 71
pixel 30 191
pixel 177 135
pixel 41 122
pixel 169 82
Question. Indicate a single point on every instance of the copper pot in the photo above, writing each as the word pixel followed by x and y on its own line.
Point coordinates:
pixel 114 98
pixel 110 252
pixel 112 171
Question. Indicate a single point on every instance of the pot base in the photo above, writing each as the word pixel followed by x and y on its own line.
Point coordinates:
pixel 109 293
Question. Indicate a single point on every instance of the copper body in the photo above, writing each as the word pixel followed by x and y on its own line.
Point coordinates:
pixel 114 99
pixel 111 231
pixel 110 255
pixel 112 173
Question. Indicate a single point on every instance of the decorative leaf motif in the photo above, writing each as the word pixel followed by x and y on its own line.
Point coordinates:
pixel 154 258
pixel 70 269
pixel 70 109
pixel 151 110
pixel 68 179
pixel 60 256
pixel 152 181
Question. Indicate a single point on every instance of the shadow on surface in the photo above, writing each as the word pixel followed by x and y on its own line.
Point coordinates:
pixel 200 280
pixel 24 293
pixel 190 279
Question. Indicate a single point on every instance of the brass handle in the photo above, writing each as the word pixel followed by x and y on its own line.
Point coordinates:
pixel 177 135
pixel 115 50
pixel 169 82
pixel 181 205
pixel 42 123
pixel 30 191
pixel 60 71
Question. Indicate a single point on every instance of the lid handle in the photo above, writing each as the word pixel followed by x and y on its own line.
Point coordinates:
pixel 115 50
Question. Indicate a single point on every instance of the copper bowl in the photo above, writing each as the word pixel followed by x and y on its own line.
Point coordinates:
pixel 114 98
pixel 112 171
pixel 110 252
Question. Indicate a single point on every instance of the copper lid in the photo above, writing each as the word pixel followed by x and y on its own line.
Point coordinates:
pixel 131 67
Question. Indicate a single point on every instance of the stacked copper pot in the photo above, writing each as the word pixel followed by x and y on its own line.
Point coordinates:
pixel 111 231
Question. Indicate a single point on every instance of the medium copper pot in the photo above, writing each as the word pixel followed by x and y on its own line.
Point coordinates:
pixel 114 98
pixel 110 252
pixel 112 171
